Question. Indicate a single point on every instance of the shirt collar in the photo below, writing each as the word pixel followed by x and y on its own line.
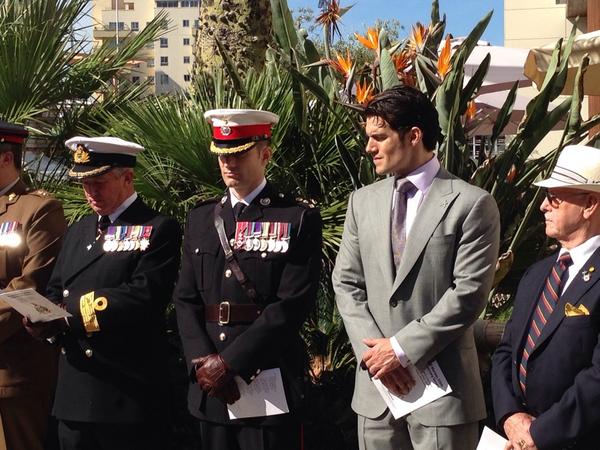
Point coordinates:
pixel 248 198
pixel 423 176
pixel 583 251
pixel 9 187
pixel 126 204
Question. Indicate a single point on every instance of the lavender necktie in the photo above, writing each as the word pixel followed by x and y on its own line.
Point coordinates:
pixel 402 187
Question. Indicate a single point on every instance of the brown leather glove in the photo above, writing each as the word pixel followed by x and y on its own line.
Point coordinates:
pixel 44 330
pixel 212 373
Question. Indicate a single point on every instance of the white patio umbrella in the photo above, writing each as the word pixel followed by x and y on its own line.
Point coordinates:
pixel 538 59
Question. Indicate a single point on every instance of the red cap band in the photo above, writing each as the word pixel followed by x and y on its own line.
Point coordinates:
pixel 226 133
pixel 14 139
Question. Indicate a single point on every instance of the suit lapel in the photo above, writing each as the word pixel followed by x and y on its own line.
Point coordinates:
pixel 573 294
pixel 87 249
pixel 433 208
pixel 381 215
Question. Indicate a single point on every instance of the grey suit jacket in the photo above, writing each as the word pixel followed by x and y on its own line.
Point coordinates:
pixel 440 288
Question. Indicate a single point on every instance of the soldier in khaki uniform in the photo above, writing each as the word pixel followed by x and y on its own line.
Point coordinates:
pixel 31 228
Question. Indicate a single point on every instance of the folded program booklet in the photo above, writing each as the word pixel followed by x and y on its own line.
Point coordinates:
pixel 34 306
pixel 430 384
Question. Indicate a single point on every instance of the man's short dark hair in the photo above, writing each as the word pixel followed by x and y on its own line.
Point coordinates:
pixel 404 107
pixel 15 149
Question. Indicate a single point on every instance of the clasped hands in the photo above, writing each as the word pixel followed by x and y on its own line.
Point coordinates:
pixel 383 364
pixel 516 427
pixel 215 377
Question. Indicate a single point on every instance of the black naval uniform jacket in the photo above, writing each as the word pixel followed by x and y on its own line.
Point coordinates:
pixel 287 286
pixel 117 374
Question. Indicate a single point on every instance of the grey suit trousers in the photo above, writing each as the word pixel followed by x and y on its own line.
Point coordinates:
pixel 387 433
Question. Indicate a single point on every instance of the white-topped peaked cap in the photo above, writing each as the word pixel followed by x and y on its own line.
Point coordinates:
pixel 577 167
pixel 237 130
pixel 94 156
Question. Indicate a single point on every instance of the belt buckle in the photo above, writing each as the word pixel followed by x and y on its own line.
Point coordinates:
pixel 224 313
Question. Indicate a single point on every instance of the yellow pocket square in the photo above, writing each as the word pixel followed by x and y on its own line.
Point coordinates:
pixel 572 311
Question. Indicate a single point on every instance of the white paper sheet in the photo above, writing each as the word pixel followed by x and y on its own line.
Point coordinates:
pixel 491 440
pixel 263 397
pixel 37 308
pixel 430 385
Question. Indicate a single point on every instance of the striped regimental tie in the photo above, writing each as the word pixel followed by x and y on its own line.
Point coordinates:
pixel 543 310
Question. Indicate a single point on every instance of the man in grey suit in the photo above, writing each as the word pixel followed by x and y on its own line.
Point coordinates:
pixel 413 273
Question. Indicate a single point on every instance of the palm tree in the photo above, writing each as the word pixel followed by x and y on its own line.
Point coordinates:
pixel 242 27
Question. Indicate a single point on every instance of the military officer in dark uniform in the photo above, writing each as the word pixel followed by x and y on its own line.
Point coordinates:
pixel 32 225
pixel 241 314
pixel 115 275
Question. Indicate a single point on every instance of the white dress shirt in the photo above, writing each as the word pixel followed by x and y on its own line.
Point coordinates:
pixel 248 198
pixel 122 207
pixel 579 255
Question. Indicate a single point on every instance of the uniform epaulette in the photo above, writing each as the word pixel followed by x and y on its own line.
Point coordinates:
pixel 41 193
pixel 305 203
pixel 207 201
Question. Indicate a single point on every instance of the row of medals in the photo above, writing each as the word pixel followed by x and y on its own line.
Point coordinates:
pixel 123 238
pixel 262 236
pixel 9 235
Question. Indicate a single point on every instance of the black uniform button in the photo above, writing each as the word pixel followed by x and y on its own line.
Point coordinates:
pixel 228 273
pixel 89 353
pixel 65 293
pixel 222 337
pixel 394 302
pixel 63 351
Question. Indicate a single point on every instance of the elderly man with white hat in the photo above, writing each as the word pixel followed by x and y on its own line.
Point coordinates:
pixel 546 371
pixel 114 275
pixel 249 276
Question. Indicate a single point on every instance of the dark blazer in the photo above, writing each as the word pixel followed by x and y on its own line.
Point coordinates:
pixel 563 371
pixel 287 285
pixel 117 374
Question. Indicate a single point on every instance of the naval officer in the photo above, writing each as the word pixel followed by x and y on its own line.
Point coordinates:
pixel 115 275
pixel 241 314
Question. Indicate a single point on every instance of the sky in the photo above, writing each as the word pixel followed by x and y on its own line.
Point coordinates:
pixel 461 15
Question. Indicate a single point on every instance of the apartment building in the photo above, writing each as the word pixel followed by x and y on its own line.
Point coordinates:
pixel 166 63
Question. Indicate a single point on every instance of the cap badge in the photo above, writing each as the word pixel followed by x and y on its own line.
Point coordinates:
pixel 81 155
pixel 266 201
pixel 225 131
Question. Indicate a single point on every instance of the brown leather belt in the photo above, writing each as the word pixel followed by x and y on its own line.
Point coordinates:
pixel 225 313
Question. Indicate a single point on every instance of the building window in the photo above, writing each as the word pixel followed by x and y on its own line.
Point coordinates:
pixel 194 4
pixel 135 80
pixel 197 24
pixel 186 59
pixel 129 6
pixel 150 63
pixel 186 77
pixel 164 60
pixel 164 43
pixel 113 26
pixel 186 23
pixel 164 78
pixel 186 41
pixel 167 4
pixel 135 26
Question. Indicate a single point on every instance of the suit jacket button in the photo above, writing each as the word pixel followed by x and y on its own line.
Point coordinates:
pixel 394 302
pixel 222 337
pixel 89 353
pixel 65 293
pixel 228 273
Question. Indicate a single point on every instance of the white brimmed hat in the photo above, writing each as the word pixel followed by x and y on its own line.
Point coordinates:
pixel 94 156
pixel 577 167
pixel 237 130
